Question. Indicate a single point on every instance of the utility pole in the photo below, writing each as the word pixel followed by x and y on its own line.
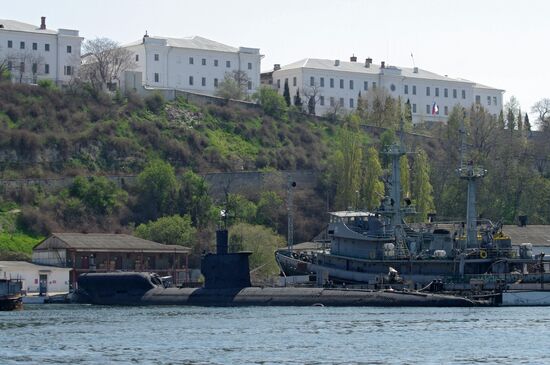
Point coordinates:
pixel 290 236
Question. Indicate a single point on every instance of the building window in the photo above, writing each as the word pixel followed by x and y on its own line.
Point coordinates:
pixel 463 94
pixel 294 81
pixel 286 81
pixel 156 56
pixel 215 63
pixel 34 68
pixel 488 100
pixel 10 44
pixel 446 108
pixel 69 49
pixel 10 65
pixel 322 81
pixel 46 69
pixel 446 92
pixel 34 46
pixel 341 83
pixel 203 61
pixel 392 87
pixel 137 58
pixel 436 91
pixel 68 70
pixel 321 100
pixel 190 80
pixel 351 103
pixel 331 83
pixel 374 85
pixel 250 65
pixel 227 64
pixel 157 78
pixel 278 84
pixel 215 82
pixel 342 102
pixel 191 60
pixel 351 84
pixel 203 81
pixel 495 100
pixel 312 81
pixel 414 89
pixel 427 91
pixel 414 108
pixel 249 85
pixel 406 90
pixel 454 93
pixel 478 99
pixel 22 45
pixel 365 85
pixel 331 101
pixel 428 109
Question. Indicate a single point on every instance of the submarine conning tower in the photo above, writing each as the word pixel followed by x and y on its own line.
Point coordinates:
pixel 224 270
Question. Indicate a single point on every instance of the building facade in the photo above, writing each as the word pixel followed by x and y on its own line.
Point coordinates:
pixel 32 53
pixel 193 64
pixel 100 252
pixel 336 85
pixel 36 277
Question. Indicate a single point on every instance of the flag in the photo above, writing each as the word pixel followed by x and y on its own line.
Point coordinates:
pixel 435 109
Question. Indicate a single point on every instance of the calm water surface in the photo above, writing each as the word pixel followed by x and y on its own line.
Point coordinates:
pixel 81 334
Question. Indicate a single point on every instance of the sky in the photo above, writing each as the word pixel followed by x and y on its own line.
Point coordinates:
pixel 500 43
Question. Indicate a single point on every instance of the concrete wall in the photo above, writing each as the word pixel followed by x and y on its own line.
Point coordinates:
pixel 57 278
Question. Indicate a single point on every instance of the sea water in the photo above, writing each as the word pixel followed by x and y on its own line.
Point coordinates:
pixel 84 334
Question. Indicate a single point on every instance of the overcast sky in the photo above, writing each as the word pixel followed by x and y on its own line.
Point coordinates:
pixel 503 44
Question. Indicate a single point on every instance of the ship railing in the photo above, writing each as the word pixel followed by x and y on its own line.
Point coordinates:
pixel 486 278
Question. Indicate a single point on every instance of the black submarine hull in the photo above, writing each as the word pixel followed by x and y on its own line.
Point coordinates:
pixel 138 289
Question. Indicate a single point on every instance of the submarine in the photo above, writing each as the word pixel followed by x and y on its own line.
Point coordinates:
pixel 227 283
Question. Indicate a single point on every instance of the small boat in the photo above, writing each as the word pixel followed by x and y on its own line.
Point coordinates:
pixel 11 297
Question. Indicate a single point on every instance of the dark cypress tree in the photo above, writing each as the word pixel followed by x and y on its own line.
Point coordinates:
pixel 501 123
pixel 519 123
pixel 510 118
pixel 526 123
pixel 286 93
pixel 298 100
pixel 311 105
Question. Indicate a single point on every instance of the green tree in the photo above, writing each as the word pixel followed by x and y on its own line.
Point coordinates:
pixel 286 93
pixel 241 209
pixel 511 119
pixel 271 101
pixel 262 242
pixel 387 138
pixel 173 230
pixel 298 100
pixel 501 123
pixel 422 188
pixel 233 86
pixel 157 188
pixel 372 187
pixel 271 210
pixel 526 123
pixel 193 199
pixel 98 194
pixel 519 122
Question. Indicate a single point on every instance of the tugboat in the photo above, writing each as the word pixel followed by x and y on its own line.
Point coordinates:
pixel 364 246
pixel 10 295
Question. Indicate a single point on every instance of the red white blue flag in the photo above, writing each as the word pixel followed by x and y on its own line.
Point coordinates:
pixel 435 109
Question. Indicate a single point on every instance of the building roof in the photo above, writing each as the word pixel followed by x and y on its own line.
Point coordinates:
pixel 373 69
pixel 105 242
pixel 193 42
pixel 15 25
pixel 538 235
pixel 22 265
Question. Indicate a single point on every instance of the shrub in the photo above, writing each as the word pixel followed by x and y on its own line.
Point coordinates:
pixel 154 102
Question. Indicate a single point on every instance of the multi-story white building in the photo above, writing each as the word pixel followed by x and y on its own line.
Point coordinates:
pixel 33 53
pixel 337 83
pixel 193 64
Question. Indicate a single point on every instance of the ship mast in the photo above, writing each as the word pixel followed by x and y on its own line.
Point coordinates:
pixel 469 172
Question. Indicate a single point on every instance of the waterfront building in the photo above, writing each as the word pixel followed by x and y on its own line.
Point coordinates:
pixel 35 278
pixel 193 64
pixel 336 85
pixel 32 53
pixel 102 252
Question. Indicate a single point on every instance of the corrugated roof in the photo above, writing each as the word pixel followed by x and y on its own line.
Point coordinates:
pixel 105 241
pixel 194 42
pixel 18 265
pixel 359 67
pixel 538 235
pixel 23 27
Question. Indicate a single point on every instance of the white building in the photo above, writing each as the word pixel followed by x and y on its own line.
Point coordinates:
pixel 54 279
pixel 193 64
pixel 431 96
pixel 33 53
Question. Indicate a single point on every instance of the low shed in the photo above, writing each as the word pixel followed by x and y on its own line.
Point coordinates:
pixel 103 252
pixel 52 279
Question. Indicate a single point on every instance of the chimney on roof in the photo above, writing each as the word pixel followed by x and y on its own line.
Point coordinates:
pixel 43 22
pixel 276 67
pixel 353 58
pixel 368 62
pixel 383 64
pixel 415 70
pixel 336 62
